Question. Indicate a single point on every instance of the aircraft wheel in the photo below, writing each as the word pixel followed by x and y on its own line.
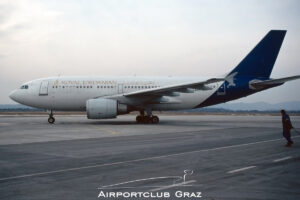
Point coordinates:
pixel 147 119
pixel 139 119
pixel 154 120
pixel 51 120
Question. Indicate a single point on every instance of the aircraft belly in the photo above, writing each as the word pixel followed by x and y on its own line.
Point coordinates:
pixel 70 104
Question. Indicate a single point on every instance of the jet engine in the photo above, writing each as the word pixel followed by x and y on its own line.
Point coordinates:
pixel 104 108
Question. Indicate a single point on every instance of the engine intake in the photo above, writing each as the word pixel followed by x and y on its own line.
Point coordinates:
pixel 104 108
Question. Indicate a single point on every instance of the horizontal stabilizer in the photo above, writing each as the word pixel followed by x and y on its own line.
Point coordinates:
pixel 258 84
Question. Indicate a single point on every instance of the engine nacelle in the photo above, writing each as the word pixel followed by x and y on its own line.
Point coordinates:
pixel 104 109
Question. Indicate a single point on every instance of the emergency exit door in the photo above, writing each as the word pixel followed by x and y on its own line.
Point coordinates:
pixel 120 88
pixel 44 88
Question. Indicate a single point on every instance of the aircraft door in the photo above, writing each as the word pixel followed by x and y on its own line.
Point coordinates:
pixel 120 88
pixel 44 88
pixel 221 89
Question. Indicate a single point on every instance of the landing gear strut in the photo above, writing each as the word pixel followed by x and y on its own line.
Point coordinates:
pixel 146 119
pixel 51 119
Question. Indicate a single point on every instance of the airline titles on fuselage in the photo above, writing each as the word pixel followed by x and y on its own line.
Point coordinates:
pixel 102 83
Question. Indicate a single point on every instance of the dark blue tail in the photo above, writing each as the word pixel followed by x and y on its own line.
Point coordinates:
pixel 260 61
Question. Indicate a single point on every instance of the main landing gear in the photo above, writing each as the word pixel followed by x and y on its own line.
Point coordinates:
pixel 51 119
pixel 146 119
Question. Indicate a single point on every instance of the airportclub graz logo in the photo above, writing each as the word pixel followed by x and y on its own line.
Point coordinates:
pixel 135 188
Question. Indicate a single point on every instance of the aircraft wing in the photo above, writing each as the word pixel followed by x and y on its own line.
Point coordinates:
pixel 181 88
pixel 258 84
pixel 163 94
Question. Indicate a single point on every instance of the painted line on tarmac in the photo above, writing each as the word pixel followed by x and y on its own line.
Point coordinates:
pixel 282 159
pixel 108 131
pixel 136 160
pixel 4 124
pixel 140 180
pixel 241 169
pixel 173 185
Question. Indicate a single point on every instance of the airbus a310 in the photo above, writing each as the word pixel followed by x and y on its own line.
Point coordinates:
pixel 106 97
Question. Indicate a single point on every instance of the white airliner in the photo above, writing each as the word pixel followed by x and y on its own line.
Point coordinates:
pixel 107 97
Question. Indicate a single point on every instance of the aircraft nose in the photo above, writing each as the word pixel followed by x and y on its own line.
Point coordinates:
pixel 13 95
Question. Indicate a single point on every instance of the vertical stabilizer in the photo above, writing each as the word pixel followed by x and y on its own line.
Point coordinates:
pixel 260 61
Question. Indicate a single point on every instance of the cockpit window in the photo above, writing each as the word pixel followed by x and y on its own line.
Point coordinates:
pixel 24 87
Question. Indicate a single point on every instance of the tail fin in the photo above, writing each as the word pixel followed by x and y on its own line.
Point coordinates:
pixel 260 61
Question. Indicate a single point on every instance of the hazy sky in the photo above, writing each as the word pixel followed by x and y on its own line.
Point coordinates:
pixel 179 38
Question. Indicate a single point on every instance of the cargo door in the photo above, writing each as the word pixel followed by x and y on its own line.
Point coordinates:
pixel 222 89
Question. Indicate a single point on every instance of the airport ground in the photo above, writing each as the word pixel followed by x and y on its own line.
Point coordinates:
pixel 224 157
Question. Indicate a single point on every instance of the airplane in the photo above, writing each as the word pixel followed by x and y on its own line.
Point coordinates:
pixel 106 97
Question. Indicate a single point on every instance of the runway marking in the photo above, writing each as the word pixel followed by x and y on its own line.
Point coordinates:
pixel 4 124
pixel 136 160
pixel 241 169
pixel 108 131
pixel 282 159
pixel 174 185
pixel 139 180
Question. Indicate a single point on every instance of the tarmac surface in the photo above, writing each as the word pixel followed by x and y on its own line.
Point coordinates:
pixel 215 157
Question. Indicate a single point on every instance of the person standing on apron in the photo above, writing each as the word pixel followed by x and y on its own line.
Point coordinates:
pixel 287 126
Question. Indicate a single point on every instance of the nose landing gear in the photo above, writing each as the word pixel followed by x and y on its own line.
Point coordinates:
pixel 51 119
